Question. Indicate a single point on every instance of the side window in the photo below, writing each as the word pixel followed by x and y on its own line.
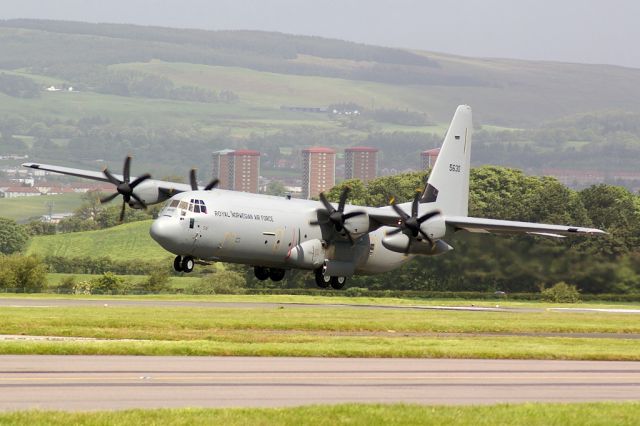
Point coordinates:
pixel 183 205
pixel 174 203
pixel 190 207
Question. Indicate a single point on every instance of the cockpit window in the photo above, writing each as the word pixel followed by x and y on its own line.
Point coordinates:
pixel 197 206
pixel 174 203
pixel 183 205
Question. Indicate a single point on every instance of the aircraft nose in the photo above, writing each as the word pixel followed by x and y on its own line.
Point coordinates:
pixel 165 231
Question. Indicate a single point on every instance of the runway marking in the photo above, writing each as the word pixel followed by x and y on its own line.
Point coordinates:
pixel 332 378
pixel 610 311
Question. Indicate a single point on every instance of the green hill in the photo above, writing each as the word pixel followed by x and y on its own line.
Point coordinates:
pixel 171 96
pixel 123 242
pixel 24 208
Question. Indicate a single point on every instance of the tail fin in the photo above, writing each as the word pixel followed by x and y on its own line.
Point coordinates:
pixel 448 184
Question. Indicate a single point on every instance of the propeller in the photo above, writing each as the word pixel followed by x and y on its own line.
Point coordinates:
pixel 337 217
pixel 125 187
pixel 410 224
pixel 194 182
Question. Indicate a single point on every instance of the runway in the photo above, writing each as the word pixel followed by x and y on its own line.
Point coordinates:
pixel 120 382
pixel 67 302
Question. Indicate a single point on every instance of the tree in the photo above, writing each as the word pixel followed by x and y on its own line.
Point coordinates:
pixel 13 237
pixel 25 274
pixel 275 187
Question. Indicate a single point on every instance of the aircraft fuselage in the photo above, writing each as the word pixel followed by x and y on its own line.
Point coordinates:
pixel 262 230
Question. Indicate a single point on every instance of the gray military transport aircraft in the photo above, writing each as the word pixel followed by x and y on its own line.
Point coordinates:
pixel 275 234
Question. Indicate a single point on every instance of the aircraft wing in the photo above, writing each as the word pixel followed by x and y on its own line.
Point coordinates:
pixel 165 189
pixel 474 224
pixel 87 174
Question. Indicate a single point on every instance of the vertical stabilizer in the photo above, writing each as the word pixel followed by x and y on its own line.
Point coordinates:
pixel 448 185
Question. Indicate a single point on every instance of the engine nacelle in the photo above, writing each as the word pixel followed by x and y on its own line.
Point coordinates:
pixel 149 192
pixel 357 225
pixel 307 255
pixel 435 227
pixel 399 242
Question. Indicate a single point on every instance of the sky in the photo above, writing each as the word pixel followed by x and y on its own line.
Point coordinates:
pixel 584 31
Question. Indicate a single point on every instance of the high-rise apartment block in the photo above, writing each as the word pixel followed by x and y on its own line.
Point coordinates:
pixel 318 171
pixel 237 170
pixel 360 162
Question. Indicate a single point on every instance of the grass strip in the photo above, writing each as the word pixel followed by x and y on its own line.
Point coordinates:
pixel 190 322
pixel 320 300
pixel 256 344
pixel 350 414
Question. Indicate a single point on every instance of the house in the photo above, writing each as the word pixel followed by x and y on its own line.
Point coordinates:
pixel 19 191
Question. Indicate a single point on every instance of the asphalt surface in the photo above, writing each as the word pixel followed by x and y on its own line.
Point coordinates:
pixel 117 382
pixel 43 303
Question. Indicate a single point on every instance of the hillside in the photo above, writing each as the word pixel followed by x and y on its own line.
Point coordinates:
pixel 171 96
pixel 24 208
pixel 123 242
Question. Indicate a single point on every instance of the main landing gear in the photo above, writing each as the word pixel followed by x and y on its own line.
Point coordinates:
pixel 324 281
pixel 183 264
pixel 263 273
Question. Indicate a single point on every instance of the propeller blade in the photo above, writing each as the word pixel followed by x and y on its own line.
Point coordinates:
pixel 111 177
pixel 192 180
pixel 122 211
pixel 139 200
pixel 414 205
pixel 343 198
pixel 109 198
pixel 212 184
pixel 426 237
pixel 428 216
pixel 326 203
pixel 394 231
pixel 139 180
pixel 404 216
pixel 127 167
pixel 353 214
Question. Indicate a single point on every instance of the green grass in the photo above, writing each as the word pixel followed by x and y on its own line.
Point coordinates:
pixel 327 332
pixel 23 208
pixel 531 414
pixel 122 242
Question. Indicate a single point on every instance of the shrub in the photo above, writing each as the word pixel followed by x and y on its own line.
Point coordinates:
pixel 108 283
pixel 67 285
pixel 561 293
pixel 82 287
pixel 356 292
pixel 24 274
pixel 156 282
pixel 221 282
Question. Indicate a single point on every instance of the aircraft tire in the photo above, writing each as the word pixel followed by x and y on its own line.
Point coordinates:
pixel 338 282
pixel 322 281
pixel 276 274
pixel 262 273
pixel 187 264
pixel 177 264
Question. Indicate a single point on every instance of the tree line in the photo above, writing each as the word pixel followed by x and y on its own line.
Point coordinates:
pixel 609 264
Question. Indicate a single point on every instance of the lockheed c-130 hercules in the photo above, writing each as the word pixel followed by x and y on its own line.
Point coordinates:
pixel 276 234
